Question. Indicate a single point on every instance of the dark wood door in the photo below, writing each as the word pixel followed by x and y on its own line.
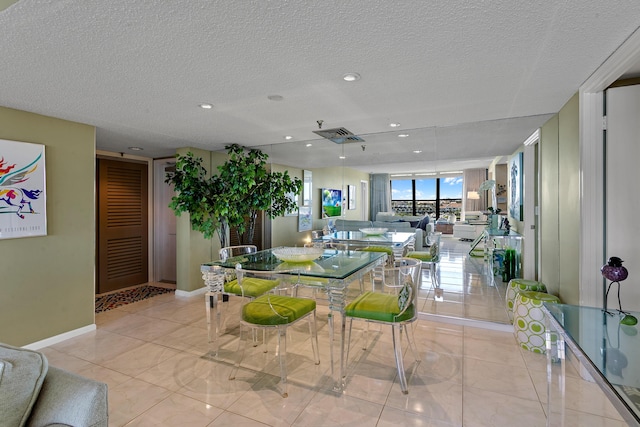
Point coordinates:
pixel 122 225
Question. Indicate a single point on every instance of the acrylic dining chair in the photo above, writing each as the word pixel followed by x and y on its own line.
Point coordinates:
pixel 276 312
pixel 430 257
pixel 228 285
pixel 395 305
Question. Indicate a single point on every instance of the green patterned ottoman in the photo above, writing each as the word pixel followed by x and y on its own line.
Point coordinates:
pixel 519 285
pixel 528 322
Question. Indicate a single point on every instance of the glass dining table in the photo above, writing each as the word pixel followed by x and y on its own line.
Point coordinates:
pixel 336 269
pixel 397 241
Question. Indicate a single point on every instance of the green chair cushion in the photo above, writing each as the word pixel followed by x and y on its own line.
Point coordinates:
pixel 384 249
pixel 378 306
pixel 287 309
pixel 253 287
pixel 421 255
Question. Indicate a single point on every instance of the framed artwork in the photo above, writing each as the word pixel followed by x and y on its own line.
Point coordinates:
pixel 23 208
pixel 305 222
pixel 515 187
pixel 307 183
pixel 351 205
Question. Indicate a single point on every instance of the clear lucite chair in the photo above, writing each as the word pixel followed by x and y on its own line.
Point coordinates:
pixel 276 312
pixel 228 285
pixel 431 257
pixel 395 306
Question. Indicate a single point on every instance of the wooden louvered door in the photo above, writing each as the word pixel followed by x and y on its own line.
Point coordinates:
pixel 122 229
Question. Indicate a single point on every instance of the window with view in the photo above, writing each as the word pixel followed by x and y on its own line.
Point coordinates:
pixel 433 196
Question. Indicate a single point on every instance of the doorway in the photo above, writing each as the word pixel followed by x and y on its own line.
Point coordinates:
pixel 164 220
pixel 122 225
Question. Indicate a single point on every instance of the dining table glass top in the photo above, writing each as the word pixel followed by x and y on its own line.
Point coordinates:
pixel 610 345
pixel 332 264
pixel 389 238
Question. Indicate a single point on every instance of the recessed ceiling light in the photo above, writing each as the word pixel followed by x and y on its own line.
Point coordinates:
pixel 288 137
pixel 206 106
pixel 403 135
pixel 136 148
pixel 351 77
pixel 343 157
pixel 417 151
pixel 309 144
pixel 450 172
pixel 275 97
pixel 426 174
pixel 394 125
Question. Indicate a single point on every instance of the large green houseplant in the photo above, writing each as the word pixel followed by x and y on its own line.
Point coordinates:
pixel 233 198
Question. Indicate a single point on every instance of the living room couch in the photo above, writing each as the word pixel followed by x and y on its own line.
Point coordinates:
pixel 391 222
pixel 34 394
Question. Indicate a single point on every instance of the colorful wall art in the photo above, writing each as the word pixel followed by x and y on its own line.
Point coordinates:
pixel 22 190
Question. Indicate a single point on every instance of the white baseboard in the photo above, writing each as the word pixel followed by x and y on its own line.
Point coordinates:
pixel 59 338
pixel 180 293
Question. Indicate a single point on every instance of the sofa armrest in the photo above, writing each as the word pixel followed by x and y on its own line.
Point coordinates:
pixel 69 399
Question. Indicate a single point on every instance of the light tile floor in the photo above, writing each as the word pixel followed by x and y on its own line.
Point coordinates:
pixel 153 356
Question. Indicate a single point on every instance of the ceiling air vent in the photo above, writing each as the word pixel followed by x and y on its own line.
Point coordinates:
pixel 339 135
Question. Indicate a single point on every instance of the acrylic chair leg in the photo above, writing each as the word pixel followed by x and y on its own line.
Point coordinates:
pixel 432 273
pixel 241 350
pixel 408 332
pixel 365 336
pixel 313 330
pixel 282 349
pixel 397 348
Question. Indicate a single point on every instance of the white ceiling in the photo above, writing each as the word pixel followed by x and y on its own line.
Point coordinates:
pixel 468 80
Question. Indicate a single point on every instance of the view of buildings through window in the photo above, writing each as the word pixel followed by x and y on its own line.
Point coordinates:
pixel 433 196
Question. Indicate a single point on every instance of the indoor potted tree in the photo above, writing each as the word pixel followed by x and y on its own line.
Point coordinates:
pixel 200 196
pixel 234 197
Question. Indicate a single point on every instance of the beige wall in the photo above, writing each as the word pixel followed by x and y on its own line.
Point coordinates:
pixel 285 229
pixel 559 203
pixel 47 285
pixel 192 249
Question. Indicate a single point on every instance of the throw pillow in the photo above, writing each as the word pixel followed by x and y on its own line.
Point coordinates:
pixel 423 223
pixel 404 296
pixel 21 378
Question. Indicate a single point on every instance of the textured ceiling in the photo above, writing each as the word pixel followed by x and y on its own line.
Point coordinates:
pixel 467 80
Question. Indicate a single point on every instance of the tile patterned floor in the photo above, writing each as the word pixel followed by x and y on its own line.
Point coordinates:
pixel 152 354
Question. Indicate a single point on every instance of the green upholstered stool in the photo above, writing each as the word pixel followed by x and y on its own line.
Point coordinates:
pixel 528 322
pixel 519 285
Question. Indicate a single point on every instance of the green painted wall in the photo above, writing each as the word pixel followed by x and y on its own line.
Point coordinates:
pixel 192 249
pixel 47 285
pixel 559 202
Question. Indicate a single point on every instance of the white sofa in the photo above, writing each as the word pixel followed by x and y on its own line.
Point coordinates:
pixel 391 222
pixel 471 227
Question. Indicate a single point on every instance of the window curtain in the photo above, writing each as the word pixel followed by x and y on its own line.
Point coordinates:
pixel 473 178
pixel 380 194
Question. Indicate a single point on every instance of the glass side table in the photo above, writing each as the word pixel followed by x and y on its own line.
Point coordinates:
pixel 605 349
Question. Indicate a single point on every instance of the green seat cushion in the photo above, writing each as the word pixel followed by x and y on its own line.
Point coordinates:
pixel 384 249
pixel 287 309
pixel 421 255
pixel 378 306
pixel 253 287
pixel 22 373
